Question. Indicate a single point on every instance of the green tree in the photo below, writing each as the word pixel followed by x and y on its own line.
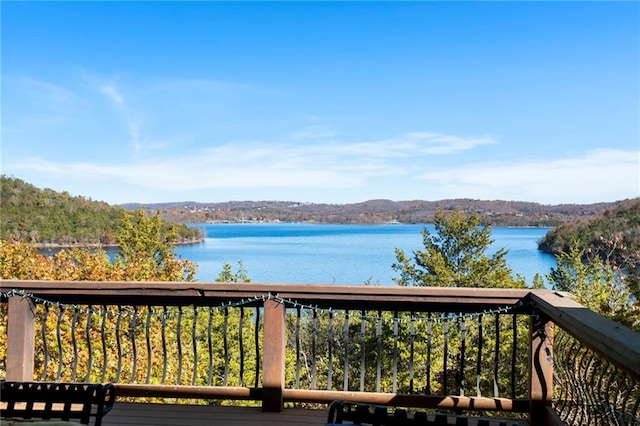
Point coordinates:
pixel 600 286
pixel 455 256
pixel 228 276
pixel 147 249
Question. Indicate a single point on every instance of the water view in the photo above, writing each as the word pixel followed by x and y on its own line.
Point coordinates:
pixel 337 254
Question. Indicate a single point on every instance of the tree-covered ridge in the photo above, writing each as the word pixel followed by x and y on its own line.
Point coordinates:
pixel 614 228
pixel 44 216
pixel 599 262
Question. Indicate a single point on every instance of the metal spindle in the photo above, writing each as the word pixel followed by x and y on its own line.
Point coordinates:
pixel 379 352
pixel 298 358
pixel 59 341
pixel 210 343
pixel 314 332
pixel 179 342
pixel 225 342
pixel 88 337
pixel 496 361
pixel 412 340
pixel 257 345
pixel 74 343
pixel 363 330
pixel 429 336
pixel 479 360
pixel 45 347
pixel 463 341
pixel 514 353
pixel 194 343
pixel 345 380
pixel 241 344
pixel 445 370
pixel 132 334
pixel 103 335
pixel 119 343
pixel 163 331
pixel 330 352
pixel 395 352
pixel 147 334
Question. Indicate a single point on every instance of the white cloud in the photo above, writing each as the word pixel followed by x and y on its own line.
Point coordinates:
pixel 434 143
pixel 112 93
pixel 598 175
pixel 242 165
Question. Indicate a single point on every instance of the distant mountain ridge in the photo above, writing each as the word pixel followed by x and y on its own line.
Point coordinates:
pixel 494 212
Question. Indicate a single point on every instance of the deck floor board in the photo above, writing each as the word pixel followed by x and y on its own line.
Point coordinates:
pixel 136 414
pixel 139 414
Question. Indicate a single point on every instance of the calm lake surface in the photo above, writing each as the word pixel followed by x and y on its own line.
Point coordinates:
pixel 337 254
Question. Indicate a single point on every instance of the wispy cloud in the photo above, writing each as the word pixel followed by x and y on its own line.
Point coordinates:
pixel 434 143
pixel 258 164
pixel 597 175
pixel 112 93
pixel 600 175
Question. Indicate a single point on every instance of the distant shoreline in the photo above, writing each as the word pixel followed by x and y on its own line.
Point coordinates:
pixel 57 246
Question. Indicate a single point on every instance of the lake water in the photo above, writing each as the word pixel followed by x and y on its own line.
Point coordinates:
pixel 337 254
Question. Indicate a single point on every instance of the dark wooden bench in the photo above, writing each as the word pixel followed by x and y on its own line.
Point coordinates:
pixel 344 412
pixel 56 401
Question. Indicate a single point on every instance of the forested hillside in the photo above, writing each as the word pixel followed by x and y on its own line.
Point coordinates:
pixel 621 223
pixel 44 217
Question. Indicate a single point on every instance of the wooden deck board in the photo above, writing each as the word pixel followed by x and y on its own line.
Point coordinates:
pixel 125 413
pixel 138 414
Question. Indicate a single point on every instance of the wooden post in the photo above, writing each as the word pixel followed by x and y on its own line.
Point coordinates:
pixel 274 356
pixel 20 339
pixel 540 371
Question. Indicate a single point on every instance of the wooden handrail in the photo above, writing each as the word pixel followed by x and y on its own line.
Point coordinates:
pixel 609 339
pixel 438 299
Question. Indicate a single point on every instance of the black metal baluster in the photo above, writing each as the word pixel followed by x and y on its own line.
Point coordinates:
pixel 45 347
pixel 379 352
pixel 89 348
pixel 395 352
pixel 298 360
pixel 61 310
pixel 463 343
pixel 412 341
pixel 257 345
pixel 225 342
pixel 363 331
pixel 330 351
pixel 241 343
pixel 119 343
pixel 147 334
pixel 74 343
pixel 514 353
pixel 103 332
pixel 314 354
pixel 445 370
pixel 496 361
pixel 194 343
pixel 429 336
pixel 163 330
pixel 210 342
pixel 345 379
pixel 479 360
pixel 179 342
pixel 59 341
pixel 134 348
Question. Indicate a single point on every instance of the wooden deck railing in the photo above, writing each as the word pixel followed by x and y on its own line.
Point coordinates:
pixel 441 348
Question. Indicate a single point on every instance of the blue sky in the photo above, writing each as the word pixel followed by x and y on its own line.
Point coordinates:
pixel 323 102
